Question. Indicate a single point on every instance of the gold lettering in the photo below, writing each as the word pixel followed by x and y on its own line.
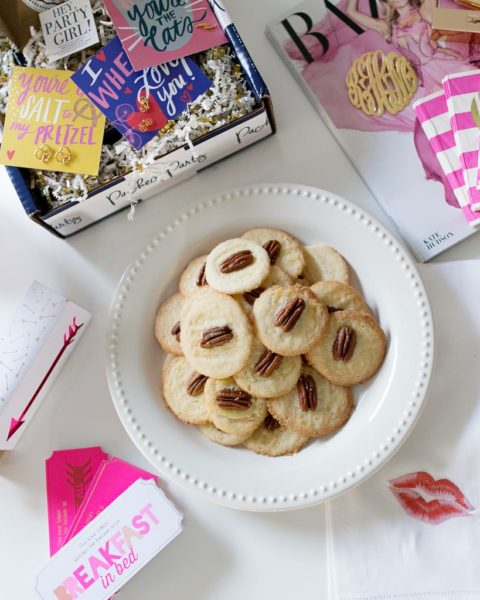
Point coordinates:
pixel 378 82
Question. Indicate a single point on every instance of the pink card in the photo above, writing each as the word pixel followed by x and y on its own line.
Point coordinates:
pixel 69 474
pixel 153 33
pixel 112 478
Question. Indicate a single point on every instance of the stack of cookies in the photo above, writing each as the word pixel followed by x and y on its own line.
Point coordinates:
pixel 265 340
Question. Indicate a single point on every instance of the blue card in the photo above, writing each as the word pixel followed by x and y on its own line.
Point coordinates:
pixel 139 103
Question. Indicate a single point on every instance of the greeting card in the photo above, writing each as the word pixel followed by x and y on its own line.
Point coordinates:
pixel 34 346
pixel 50 124
pixel 67 28
pixel 156 32
pixel 139 103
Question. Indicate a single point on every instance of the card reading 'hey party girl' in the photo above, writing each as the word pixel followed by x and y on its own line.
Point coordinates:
pixel 139 103
pixel 156 31
pixel 68 28
pixel 50 124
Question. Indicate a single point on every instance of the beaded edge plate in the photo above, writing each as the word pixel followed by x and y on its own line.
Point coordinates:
pixel 388 405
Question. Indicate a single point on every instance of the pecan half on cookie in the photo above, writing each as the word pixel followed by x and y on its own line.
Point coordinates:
pixel 287 317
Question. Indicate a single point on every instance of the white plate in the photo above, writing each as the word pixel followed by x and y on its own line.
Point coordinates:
pixel 387 405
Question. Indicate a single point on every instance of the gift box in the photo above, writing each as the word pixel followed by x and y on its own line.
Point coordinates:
pixel 172 164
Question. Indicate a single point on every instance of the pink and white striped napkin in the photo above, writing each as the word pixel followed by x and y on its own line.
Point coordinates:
pixel 432 113
pixel 461 90
pixel 412 531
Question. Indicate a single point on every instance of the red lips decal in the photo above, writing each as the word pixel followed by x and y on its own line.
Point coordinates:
pixel 448 500
pixel 101 55
pixel 152 119
pixel 10 154
pixel 127 90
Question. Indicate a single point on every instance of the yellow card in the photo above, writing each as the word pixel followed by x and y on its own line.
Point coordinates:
pixel 50 124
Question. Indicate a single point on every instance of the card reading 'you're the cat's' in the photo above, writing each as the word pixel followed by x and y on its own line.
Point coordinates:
pixel 157 31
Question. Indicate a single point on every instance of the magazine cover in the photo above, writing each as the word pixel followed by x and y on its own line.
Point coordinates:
pixel 364 63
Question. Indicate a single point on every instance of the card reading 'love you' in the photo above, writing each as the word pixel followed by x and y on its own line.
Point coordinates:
pixel 50 124
pixel 157 31
pixel 139 103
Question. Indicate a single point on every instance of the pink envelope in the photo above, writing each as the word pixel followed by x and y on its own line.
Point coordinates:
pixel 69 475
pixel 112 478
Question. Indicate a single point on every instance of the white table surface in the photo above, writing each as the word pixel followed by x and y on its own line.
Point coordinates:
pixel 221 554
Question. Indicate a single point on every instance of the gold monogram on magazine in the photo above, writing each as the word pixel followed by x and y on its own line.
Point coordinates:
pixel 379 82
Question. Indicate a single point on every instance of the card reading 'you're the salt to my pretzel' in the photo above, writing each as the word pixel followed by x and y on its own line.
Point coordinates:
pixel 139 103
pixel 156 32
pixel 50 124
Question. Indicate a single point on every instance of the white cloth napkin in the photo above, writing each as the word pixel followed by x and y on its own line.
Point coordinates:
pixel 377 550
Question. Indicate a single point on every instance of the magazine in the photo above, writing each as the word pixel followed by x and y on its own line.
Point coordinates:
pixel 364 64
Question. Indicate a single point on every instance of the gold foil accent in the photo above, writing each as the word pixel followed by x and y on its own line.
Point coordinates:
pixel 168 126
pixel 206 26
pixel 211 120
pixel 378 82
pixel 217 53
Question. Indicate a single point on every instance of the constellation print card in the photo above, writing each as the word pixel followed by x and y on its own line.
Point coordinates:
pixel 154 32
pixel 139 103
pixel 69 475
pixel 50 124
pixel 33 348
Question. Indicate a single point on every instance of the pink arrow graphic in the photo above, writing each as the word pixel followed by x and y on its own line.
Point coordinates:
pixel 15 424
